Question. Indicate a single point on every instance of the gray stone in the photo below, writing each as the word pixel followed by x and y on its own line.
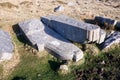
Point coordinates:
pixel 63 69
pixel 101 37
pixel 45 38
pixel 103 62
pixel 72 29
pixel 113 38
pixel 6 46
pixel 59 8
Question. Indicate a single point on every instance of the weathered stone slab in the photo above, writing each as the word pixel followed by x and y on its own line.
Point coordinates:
pixel 107 22
pixel 113 38
pixel 102 36
pixel 72 29
pixel 45 38
pixel 6 46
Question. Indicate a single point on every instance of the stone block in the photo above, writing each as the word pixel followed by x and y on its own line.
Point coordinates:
pixel 6 46
pixel 72 29
pixel 113 38
pixel 102 36
pixel 45 38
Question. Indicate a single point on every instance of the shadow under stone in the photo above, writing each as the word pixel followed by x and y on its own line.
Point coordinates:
pixel 54 65
pixel 21 35
pixel 19 78
pixel 91 21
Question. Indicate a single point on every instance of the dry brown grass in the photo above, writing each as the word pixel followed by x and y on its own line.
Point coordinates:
pixel 8 5
pixel 27 3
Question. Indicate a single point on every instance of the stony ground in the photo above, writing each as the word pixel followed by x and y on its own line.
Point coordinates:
pixel 14 11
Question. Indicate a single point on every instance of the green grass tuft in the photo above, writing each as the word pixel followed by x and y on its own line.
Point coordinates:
pixel 32 67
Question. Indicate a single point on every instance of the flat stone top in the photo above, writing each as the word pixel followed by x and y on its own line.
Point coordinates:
pixel 32 29
pixel 5 42
pixel 31 26
pixel 71 21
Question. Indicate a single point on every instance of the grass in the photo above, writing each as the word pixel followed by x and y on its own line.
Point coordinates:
pixel 1 71
pixel 104 66
pixel 25 2
pixel 32 67
pixel 61 2
pixel 8 5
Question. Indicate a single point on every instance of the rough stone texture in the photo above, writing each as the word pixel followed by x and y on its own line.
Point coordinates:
pixel 44 37
pixel 102 36
pixel 113 38
pixel 63 69
pixel 72 29
pixel 6 46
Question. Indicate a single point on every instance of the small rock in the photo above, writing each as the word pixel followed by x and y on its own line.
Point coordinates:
pixel 59 8
pixel 39 75
pixel 111 40
pixel 103 62
pixel 102 69
pixel 71 3
pixel 63 69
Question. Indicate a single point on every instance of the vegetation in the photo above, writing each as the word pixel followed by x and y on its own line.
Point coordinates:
pixel 1 71
pixel 102 67
pixel 40 66
pixel 32 67
pixel 0 26
pixel 105 66
pixel 8 5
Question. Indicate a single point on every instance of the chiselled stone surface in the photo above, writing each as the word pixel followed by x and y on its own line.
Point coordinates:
pixel 45 38
pixel 113 38
pixel 6 46
pixel 59 8
pixel 101 36
pixel 72 29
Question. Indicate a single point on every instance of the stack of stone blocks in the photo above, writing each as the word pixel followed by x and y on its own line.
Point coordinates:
pixel 75 30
